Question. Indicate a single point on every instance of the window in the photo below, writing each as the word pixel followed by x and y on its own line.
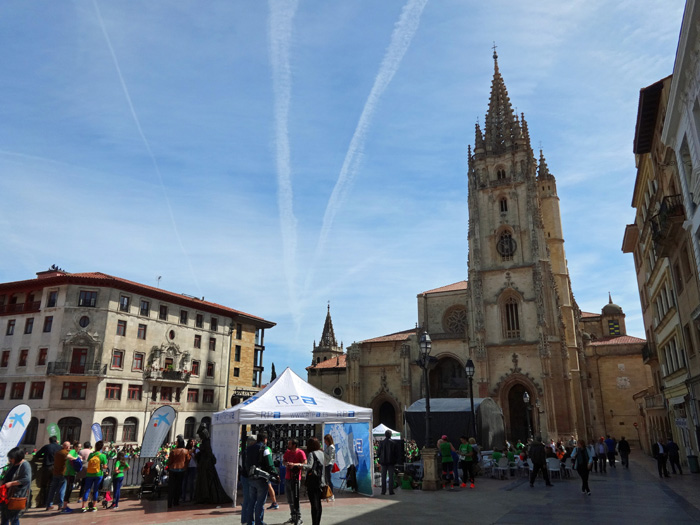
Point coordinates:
pixel 166 393
pixel 236 372
pixel 52 299
pixel 88 299
pixel 135 392
pixel 613 327
pixel 195 368
pixel 70 428
pixel 17 391
pixel 192 395
pixel 41 359
pixel 84 321
pixel 163 313
pixel 109 427
pixel 36 390
pixel 208 395
pixel 10 327
pixel 145 308
pixel 118 359
pixel 212 343
pixel 48 323
pixel 138 361
pixel 30 435
pixel 130 429
pixel 183 316
pixel 198 341
pixel 113 391
pixel 677 277
pixel 239 330
pixel 124 302
pixel 29 325
pixel 214 324
pixel 511 327
pixel 141 332
pixel 3 387
pixel 121 328
pixel 500 174
pixel 5 360
pixel 503 205
pixel 688 339
pixel 190 423
pixel 74 391
pixel 199 321
pixel 237 353
pixel 210 369
pixel 506 246
pixel 23 357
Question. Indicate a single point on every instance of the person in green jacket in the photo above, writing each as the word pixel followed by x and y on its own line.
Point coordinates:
pixel 446 450
pixel 96 464
pixel 120 468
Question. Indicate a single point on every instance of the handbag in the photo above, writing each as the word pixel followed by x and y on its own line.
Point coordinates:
pixel 326 492
pixel 16 503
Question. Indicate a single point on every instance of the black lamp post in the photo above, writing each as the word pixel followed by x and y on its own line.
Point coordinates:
pixel 469 369
pixel 425 347
pixel 538 406
pixel 526 399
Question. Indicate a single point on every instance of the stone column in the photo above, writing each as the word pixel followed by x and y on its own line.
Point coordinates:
pixel 431 475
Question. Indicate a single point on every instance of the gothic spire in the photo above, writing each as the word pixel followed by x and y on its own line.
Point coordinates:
pixel 500 127
pixel 328 338
pixel 542 169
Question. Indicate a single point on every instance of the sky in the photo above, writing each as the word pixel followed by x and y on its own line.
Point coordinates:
pixel 277 156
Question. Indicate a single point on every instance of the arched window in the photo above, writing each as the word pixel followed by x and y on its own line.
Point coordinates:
pixel 206 421
pixel 511 319
pixel 30 434
pixel 506 246
pixel 500 174
pixel 130 430
pixel 190 423
pixel 109 427
pixel 503 204
pixel 70 428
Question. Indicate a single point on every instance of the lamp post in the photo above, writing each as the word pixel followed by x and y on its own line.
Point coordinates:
pixel 429 452
pixel 526 399
pixel 469 369
pixel 539 411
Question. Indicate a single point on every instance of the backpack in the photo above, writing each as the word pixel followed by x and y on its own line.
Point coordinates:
pixel 93 466
pixel 77 464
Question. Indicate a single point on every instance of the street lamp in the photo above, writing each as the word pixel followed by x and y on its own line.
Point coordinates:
pixel 425 346
pixel 526 399
pixel 469 369
pixel 539 411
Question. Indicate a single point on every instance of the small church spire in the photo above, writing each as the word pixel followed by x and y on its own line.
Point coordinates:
pixel 610 298
pixel 500 127
pixel 328 337
pixel 542 169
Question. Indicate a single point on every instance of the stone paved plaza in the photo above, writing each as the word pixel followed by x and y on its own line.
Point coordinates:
pixel 635 496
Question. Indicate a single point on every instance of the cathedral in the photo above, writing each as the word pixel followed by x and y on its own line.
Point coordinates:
pixel 515 317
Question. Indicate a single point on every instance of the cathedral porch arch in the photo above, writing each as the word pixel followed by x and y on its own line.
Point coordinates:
pixel 385 410
pixel 509 395
pixel 448 377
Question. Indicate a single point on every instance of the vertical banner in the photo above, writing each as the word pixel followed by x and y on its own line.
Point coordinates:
pixel 53 430
pixel 353 446
pixel 13 430
pixel 97 432
pixel 157 430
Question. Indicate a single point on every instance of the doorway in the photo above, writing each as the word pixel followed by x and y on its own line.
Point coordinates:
pixel 518 413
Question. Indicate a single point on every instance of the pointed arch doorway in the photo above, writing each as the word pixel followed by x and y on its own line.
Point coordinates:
pixel 518 420
pixel 387 415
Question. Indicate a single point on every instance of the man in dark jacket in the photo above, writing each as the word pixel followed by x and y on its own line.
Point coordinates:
pixel 538 456
pixel 673 455
pixel 623 447
pixel 658 450
pixel 260 467
pixel 388 456
pixel 43 479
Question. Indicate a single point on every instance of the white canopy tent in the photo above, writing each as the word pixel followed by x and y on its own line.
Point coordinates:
pixel 288 399
pixel 380 431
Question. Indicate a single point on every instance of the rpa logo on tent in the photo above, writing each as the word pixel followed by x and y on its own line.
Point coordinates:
pixel 292 400
pixel 358 446
pixel 270 415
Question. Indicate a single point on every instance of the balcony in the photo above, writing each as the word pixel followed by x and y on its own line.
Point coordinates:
pixel 648 353
pixel 655 401
pixel 20 308
pixel 173 376
pixel 666 224
pixel 66 368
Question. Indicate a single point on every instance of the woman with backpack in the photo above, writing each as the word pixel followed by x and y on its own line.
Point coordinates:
pixel 583 463
pixel 120 468
pixel 96 464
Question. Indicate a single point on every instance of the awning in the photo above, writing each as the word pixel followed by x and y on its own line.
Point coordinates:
pixel 678 400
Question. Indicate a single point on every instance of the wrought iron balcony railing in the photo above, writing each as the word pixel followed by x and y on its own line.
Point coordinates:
pixel 66 368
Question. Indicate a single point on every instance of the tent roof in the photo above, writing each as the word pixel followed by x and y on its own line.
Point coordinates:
pixel 290 399
pixel 382 428
pixel 448 404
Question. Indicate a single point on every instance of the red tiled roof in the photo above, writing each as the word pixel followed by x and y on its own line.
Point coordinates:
pixel 618 340
pixel 397 336
pixel 103 279
pixel 461 285
pixel 588 314
pixel 333 362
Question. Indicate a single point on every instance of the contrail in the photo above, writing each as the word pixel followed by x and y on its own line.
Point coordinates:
pixel 404 30
pixel 146 143
pixel 280 28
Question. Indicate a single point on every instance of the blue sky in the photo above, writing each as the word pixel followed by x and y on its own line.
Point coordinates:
pixel 276 156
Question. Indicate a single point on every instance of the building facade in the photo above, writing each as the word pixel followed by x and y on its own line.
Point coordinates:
pixel 90 348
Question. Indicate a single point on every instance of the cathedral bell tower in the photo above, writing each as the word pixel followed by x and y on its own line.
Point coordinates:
pixel 328 346
pixel 521 326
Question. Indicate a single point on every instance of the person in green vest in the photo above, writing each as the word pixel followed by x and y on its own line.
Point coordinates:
pixel 446 450
pixel 120 468
pixel 96 464
pixel 70 475
pixel 468 462
pixel 497 454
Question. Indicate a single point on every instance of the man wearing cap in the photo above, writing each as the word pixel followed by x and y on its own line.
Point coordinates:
pixel 387 459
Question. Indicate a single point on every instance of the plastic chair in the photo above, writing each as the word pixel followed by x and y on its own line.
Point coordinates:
pixel 502 468
pixel 569 467
pixel 554 467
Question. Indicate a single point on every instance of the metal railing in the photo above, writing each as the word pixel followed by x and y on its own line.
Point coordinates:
pixel 66 368
pixel 19 308
pixel 167 375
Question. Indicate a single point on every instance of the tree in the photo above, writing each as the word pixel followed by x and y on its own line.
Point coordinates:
pixel 273 374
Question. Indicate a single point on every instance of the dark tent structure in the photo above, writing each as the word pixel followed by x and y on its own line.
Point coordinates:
pixel 453 416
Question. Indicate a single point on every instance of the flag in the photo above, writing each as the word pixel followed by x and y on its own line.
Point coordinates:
pixel 53 430
pixel 158 427
pixel 97 431
pixel 13 430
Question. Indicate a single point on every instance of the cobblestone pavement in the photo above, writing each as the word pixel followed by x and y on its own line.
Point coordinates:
pixel 634 496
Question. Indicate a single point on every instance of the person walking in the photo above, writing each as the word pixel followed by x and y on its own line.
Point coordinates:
pixel 177 465
pixel 258 458
pixel 623 447
pixel 190 473
pixel 673 455
pixel 538 455
pixel 245 480
pixel 583 464
pixel 294 460
pixel 57 488
pixel 387 460
pixel 71 474
pixel 17 480
pixel 329 460
pixel 96 464
pixel 611 445
pixel 315 479
pixel 658 450
pixel 468 461
pixel 602 454
pixel 120 468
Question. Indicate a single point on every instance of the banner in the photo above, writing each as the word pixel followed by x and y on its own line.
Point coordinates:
pixel 353 446
pixel 157 430
pixel 53 430
pixel 13 430
pixel 97 432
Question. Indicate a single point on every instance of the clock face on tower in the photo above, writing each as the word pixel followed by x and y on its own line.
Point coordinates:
pixel 506 246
